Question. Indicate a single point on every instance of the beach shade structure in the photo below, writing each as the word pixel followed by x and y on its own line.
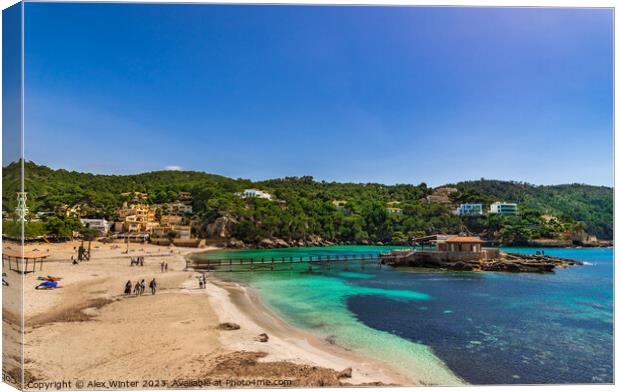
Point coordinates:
pixel 23 262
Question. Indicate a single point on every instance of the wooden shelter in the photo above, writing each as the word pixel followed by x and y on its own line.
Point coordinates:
pixel 461 244
pixel 23 262
pixel 431 240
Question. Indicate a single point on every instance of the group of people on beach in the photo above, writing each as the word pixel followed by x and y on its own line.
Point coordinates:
pixel 139 287
pixel 139 261
pixel 164 266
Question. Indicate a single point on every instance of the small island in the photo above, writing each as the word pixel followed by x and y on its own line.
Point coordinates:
pixel 465 253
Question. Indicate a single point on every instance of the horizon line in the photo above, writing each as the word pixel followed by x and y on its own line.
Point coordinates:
pixel 183 170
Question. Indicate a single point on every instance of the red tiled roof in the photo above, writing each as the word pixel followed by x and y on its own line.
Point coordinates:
pixel 465 240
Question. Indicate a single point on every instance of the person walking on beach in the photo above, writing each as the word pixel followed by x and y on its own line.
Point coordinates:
pixel 142 286
pixel 128 288
pixel 162 266
pixel 204 280
pixel 166 267
pixel 153 286
pixel 136 289
pixel 200 282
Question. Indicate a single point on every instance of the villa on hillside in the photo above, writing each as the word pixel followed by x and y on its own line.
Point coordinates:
pixel 340 205
pixel 184 196
pixel 468 209
pixel 443 199
pixel 141 218
pixel 135 197
pixel 254 193
pixel 502 208
pixel 440 195
pixel 394 210
pixel 135 218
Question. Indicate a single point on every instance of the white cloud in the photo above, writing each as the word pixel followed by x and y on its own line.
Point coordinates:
pixel 173 167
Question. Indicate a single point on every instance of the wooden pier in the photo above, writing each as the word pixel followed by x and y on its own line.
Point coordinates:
pixel 290 263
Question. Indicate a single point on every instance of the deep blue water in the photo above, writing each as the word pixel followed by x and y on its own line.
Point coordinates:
pixel 499 328
pixel 487 328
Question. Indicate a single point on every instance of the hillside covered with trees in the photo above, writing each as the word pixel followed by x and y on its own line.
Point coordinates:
pixel 303 208
pixel 590 205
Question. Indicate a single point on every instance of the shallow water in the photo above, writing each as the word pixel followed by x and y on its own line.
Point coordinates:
pixel 488 328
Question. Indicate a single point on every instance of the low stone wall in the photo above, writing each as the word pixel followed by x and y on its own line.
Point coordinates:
pixel 160 241
pixel 435 256
pixel 490 253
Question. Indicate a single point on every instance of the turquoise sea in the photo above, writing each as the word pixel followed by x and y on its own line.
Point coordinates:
pixel 449 327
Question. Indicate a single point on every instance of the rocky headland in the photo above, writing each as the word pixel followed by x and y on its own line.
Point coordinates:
pixel 489 260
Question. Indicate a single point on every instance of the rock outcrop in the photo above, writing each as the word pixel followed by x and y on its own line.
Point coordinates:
pixel 235 243
pixel 263 338
pixel 221 228
pixel 498 261
pixel 228 326
pixel 346 373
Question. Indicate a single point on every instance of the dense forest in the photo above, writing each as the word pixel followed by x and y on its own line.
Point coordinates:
pixel 304 208
pixel 590 205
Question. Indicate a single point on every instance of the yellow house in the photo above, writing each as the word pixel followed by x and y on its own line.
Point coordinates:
pixel 183 232
pixel 179 208
pixel 137 217
pixel 136 196
pixel 132 224
pixel 185 196
pixel 143 212
pixel 171 220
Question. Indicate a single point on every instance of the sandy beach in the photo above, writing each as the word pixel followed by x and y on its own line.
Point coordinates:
pixel 88 332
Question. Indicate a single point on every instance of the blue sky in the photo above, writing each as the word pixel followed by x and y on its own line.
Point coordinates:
pixel 362 94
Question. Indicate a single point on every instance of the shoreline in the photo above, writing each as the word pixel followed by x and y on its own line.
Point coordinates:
pixel 248 300
pixel 297 345
pixel 256 247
